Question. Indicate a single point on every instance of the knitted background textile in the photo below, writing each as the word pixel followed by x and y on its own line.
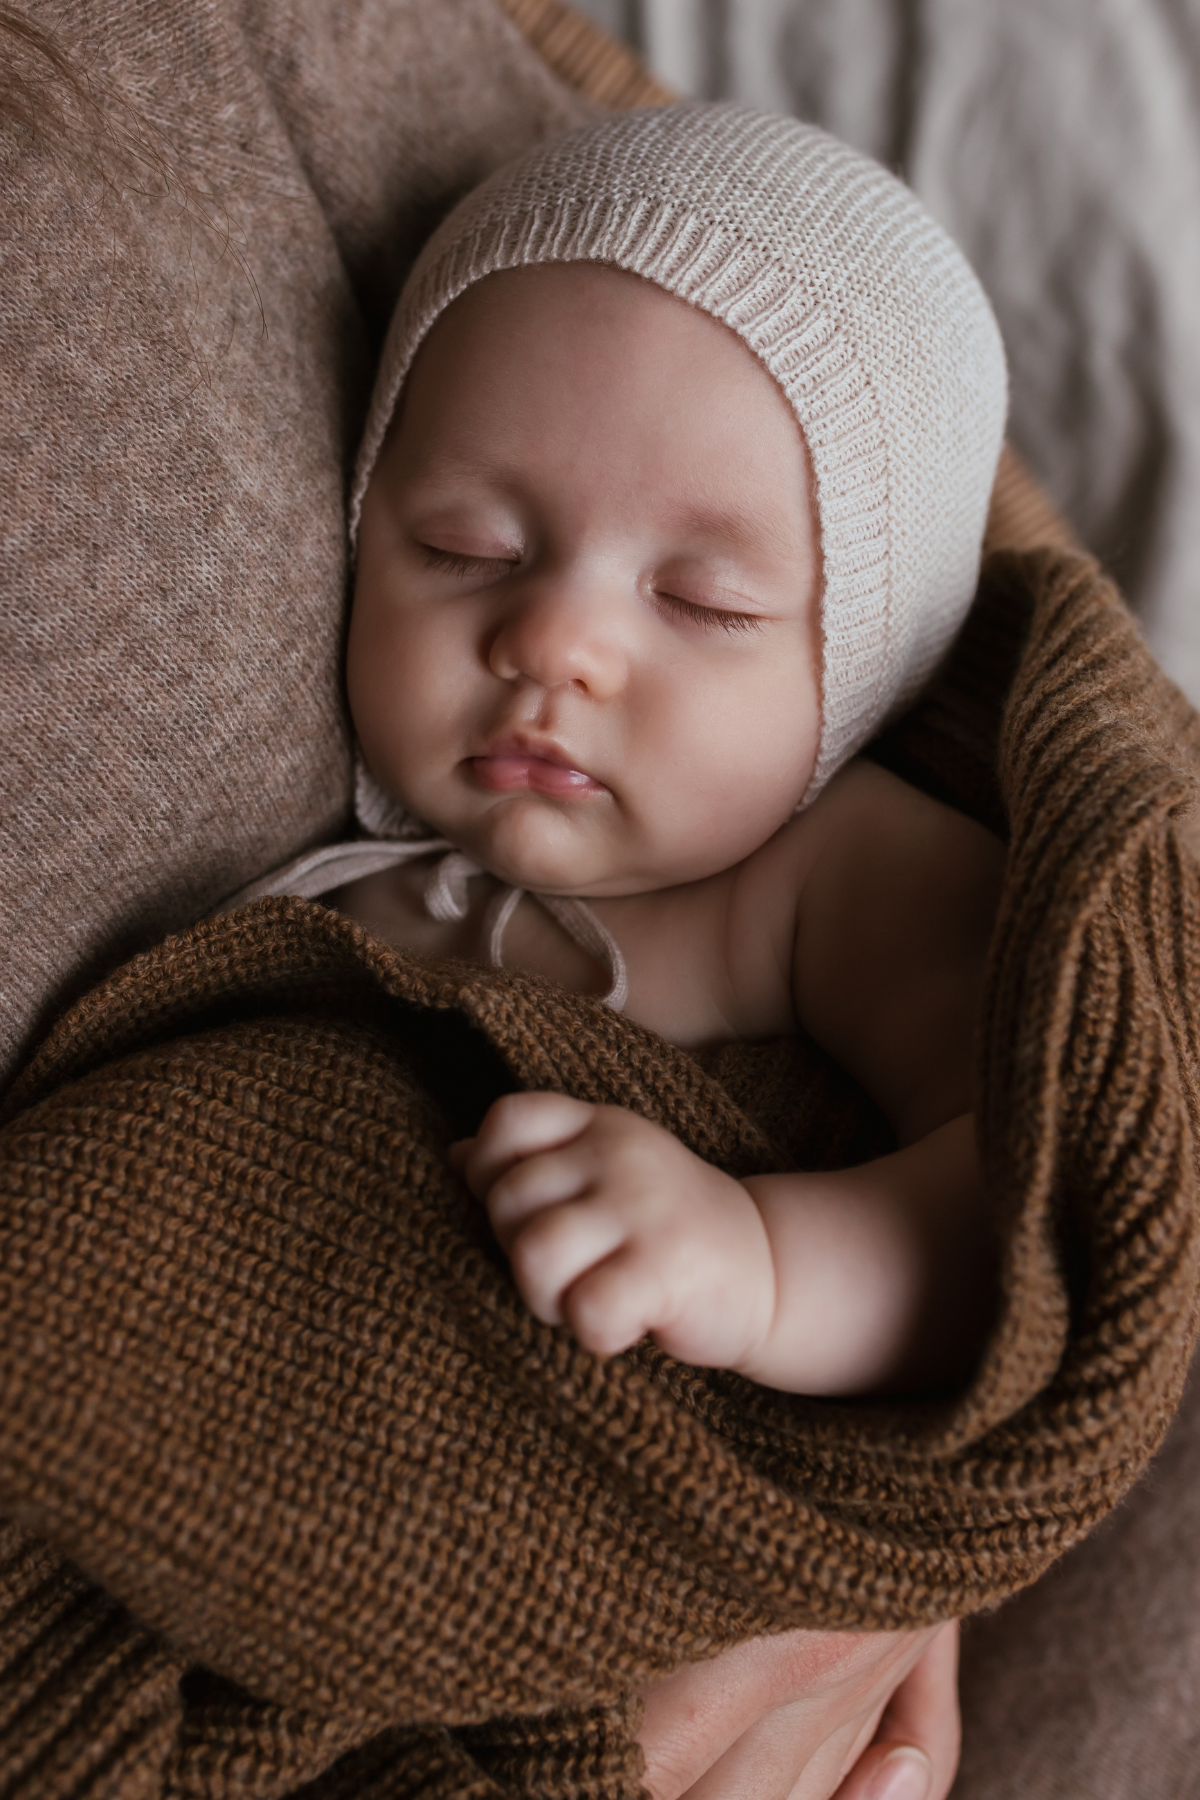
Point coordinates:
pixel 273 1399
pixel 202 248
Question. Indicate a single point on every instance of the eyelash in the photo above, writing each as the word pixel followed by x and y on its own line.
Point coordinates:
pixel 454 563
pixel 711 618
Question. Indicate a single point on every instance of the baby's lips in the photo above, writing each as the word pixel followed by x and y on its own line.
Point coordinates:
pixel 522 772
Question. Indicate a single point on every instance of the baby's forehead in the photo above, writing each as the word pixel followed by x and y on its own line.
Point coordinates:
pixel 597 297
pixel 568 321
pixel 612 374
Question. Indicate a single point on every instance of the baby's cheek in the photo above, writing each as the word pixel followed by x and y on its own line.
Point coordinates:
pixel 729 762
pixel 404 703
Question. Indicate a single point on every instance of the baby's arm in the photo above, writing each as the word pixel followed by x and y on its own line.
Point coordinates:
pixel 896 904
pixel 836 1283
pixel 894 918
pixel 884 1272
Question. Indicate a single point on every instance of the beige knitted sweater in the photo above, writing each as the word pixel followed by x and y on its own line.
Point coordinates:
pixel 302 1497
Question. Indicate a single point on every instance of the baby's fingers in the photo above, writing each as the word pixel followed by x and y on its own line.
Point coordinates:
pixel 550 1253
pixel 514 1127
pixel 532 1185
pixel 614 1303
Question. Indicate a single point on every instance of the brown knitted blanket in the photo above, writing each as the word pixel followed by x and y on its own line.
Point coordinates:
pixel 303 1500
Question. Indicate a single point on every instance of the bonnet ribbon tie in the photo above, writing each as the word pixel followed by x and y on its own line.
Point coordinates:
pixel 331 866
pixel 446 899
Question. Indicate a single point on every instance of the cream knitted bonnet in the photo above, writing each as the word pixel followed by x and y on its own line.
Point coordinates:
pixel 853 299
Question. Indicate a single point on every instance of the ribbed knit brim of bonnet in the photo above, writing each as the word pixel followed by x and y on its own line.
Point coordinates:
pixel 851 297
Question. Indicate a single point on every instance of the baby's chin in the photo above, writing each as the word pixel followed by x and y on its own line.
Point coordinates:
pixel 532 843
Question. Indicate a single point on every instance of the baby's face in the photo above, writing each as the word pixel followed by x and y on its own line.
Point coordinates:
pixel 585 642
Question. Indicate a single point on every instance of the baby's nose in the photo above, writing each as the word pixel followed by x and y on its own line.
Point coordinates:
pixel 560 634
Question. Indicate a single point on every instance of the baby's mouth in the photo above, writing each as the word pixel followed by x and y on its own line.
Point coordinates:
pixel 511 767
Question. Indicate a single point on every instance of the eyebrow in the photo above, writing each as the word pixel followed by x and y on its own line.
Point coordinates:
pixel 743 528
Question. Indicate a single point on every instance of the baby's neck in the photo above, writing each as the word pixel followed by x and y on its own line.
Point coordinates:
pixel 674 942
pixel 395 905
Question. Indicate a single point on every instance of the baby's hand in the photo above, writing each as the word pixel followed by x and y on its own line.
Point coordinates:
pixel 615 1229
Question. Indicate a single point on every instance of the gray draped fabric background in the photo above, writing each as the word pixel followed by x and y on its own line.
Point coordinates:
pixel 1059 142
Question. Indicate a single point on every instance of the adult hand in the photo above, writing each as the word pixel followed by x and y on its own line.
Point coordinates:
pixel 809 1715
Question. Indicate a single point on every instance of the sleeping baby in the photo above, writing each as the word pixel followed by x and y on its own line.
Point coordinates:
pixel 672 493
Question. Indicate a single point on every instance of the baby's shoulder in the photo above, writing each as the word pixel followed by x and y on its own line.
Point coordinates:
pixel 896 901
pixel 864 795
pixel 869 824
pixel 874 875
pixel 865 816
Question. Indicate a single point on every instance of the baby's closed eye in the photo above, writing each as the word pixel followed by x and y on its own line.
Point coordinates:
pixel 467 567
pixel 711 616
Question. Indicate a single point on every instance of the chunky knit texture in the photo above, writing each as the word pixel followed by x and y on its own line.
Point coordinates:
pixel 853 299
pixel 332 1514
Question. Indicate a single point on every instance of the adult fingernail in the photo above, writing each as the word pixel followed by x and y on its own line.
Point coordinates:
pixel 903 1775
